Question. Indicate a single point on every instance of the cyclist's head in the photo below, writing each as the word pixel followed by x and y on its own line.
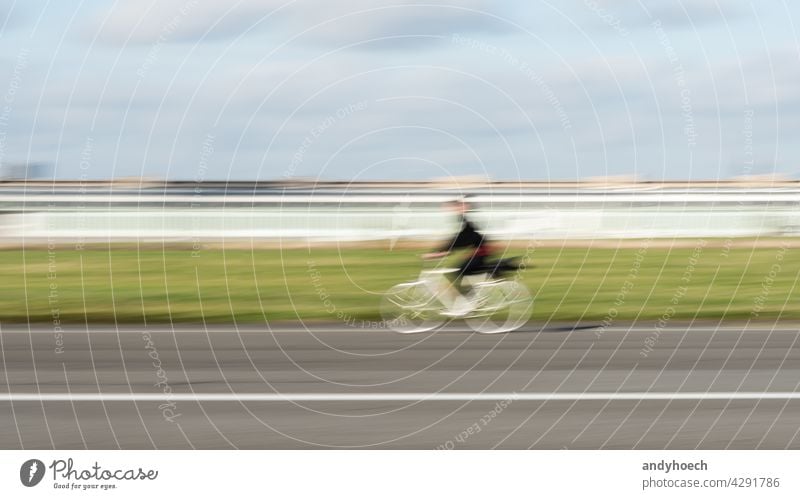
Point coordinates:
pixel 459 205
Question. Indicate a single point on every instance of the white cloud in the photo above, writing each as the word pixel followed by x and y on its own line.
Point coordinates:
pixel 635 14
pixel 10 15
pixel 694 12
pixel 337 22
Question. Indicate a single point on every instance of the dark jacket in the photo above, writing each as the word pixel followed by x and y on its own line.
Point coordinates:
pixel 467 237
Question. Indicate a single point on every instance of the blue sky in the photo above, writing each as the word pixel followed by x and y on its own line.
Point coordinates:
pixel 401 89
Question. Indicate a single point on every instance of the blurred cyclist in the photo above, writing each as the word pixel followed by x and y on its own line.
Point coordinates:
pixel 474 263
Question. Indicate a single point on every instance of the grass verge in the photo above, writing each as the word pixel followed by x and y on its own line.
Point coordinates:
pixel 632 283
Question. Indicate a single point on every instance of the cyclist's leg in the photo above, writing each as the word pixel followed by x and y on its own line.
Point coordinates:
pixel 451 293
pixel 474 265
pixel 462 304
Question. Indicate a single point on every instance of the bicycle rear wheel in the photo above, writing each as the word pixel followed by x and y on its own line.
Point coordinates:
pixel 501 307
pixel 411 308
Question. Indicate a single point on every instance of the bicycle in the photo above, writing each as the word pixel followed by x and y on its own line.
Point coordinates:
pixel 498 305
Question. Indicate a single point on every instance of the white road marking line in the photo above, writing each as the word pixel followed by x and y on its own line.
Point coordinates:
pixel 391 397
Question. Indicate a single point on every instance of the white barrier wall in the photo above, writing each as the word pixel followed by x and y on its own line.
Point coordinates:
pixel 359 217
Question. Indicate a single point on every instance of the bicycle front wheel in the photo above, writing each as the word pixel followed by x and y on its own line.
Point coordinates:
pixel 501 307
pixel 411 308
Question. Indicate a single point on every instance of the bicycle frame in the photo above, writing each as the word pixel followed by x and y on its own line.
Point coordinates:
pixel 438 301
pixel 436 282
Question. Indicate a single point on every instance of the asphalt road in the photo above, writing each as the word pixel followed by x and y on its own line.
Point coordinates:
pixel 331 386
